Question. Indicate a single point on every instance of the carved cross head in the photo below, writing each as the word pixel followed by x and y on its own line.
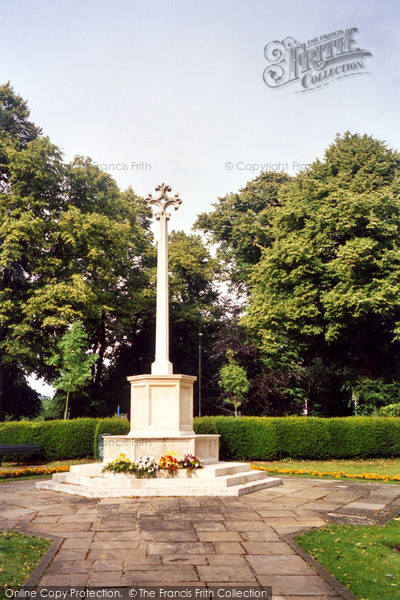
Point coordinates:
pixel 163 204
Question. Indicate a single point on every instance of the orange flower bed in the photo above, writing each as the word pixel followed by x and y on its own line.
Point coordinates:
pixel 33 471
pixel 334 474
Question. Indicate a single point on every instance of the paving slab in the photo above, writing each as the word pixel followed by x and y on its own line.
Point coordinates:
pixel 268 535
pixel 190 559
pixel 226 559
pixel 124 545
pixel 194 541
pixel 298 585
pixel 176 548
pixel 209 525
pixel 279 564
pixel 266 548
pixel 166 574
pixel 228 547
pixel 108 579
pixel 219 536
pixel 61 566
pixel 116 536
pixel 216 573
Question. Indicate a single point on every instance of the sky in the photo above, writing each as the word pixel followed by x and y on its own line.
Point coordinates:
pixel 173 91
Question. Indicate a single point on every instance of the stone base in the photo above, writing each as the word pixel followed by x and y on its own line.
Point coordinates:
pixel 204 447
pixel 219 479
pixel 161 405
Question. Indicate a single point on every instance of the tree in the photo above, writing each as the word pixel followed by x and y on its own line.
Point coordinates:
pixel 234 381
pixel 194 307
pixel 72 362
pixel 16 131
pixel 240 225
pixel 273 391
pixel 327 289
pixel 73 247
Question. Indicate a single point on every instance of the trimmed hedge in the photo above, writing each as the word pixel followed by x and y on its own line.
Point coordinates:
pixel 269 438
pixel 110 425
pixel 244 438
pixel 60 440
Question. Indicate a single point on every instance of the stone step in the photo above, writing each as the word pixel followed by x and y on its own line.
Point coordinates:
pixel 213 470
pixel 218 479
pixel 255 486
pixel 209 476
pixel 245 477
pixel 94 491
pixel 223 468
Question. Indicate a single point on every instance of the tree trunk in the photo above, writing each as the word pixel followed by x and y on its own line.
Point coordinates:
pixel 66 406
pixel 2 399
pixel 101 346
pixel 2 411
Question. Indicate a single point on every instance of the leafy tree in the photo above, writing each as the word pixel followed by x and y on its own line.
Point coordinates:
pixel 19 399
pixel 240 225
pixel 73 247
pixel 327 287
pixel 273 391
pixel 368 395
pixel 194 306
pixel 51 408
pixel 234 381
pixel 16 131
pixel 72 362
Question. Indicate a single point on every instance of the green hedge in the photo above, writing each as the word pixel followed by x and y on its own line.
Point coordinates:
pixel 245 438
pixel 268 438
pixel 110 425
pixel 60 440
pixel 390 410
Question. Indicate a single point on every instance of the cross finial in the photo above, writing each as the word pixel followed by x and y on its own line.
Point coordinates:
pixel 163 203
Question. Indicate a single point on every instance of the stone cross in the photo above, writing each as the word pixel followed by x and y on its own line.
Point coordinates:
pixel 163 205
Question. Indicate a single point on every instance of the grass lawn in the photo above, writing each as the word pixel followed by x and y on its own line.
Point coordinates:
pixel 364 559
pixel 380 466
pixel 19 555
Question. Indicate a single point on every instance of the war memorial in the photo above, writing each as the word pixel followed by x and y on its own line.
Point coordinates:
pixel 161 419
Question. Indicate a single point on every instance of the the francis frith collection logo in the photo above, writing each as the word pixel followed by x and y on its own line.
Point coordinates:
pixel 315 63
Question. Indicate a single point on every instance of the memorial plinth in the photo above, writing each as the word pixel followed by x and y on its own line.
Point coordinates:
pixel 162 422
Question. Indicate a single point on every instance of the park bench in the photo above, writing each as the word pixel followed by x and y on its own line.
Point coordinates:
pixel 19 450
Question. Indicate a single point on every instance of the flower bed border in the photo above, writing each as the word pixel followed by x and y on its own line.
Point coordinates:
pixel 14 473
pixel 333 474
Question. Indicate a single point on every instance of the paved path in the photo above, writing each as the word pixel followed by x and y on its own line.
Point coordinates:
pixel 194 541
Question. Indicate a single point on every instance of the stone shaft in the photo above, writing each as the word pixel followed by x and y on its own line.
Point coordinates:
pixel 162 365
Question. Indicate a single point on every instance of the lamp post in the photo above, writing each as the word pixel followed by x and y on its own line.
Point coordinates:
pixel 200 336
pixel 163 205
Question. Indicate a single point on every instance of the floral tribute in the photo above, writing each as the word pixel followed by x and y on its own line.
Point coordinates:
pixel 191 463
pixel 169 463
pixel 147 466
